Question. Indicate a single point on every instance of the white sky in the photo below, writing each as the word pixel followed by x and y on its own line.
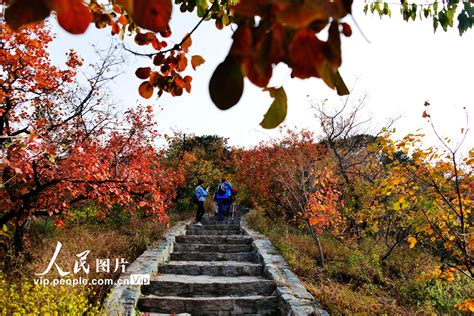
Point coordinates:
pixel 403 65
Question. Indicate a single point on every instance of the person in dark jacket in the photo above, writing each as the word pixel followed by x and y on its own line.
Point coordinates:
pixel 222 196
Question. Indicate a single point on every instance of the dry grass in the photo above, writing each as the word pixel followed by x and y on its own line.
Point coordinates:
pixel 127 241
pixel 355 281
pixel 210 207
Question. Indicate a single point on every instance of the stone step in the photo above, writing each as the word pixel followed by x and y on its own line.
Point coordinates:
pixel 214 226
pixel 167 314
pixel 224 305
pixel 186 247
pixel 212 256
pixel 227 220
pixel 207 286
pixel 222 268
pixel 227 239
pixel 209 232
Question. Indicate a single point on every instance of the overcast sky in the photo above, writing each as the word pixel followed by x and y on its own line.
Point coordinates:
pixel 403 65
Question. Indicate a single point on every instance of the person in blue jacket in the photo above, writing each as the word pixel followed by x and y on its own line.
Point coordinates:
pixel 201 194
pixel 222 196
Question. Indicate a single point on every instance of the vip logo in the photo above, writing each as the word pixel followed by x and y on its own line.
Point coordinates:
pixel 139 279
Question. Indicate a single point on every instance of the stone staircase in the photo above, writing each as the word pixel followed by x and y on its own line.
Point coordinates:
pixel 213 270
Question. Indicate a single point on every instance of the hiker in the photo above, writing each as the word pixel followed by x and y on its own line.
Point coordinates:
pixel 232 205
pixel 222 196
pixel 230 198
pixel 201 194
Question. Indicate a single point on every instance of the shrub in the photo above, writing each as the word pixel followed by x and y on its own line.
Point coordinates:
pixel 354 280
pixel 25 297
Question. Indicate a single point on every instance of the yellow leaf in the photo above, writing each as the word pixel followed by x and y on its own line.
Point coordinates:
pixel 411 242
pixel 196 61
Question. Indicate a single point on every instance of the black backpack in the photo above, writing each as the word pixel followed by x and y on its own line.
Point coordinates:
pixel 194 198
pixel 221 190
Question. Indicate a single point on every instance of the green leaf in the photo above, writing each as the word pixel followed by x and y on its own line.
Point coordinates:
pixel 443 20
pixel 386 9
pixel 5 228
pixel 463 23
pixel 413 11
pixel 333 79
pixel 227 84
pixel 277 112
pixel 201 7
pixel 450 15
pixel 378 8
pixel 435 23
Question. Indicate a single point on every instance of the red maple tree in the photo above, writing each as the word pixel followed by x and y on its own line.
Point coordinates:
pixel 60 144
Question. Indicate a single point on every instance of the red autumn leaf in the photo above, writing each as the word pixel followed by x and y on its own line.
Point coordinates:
pixel 143 72
pixel 59 223
pixel 153 15
pixel 156 44
pixel 182 63
pixel 115 28
pixel 187 83
pixel 306 54
pixel 150 37
pixel 346 29
pixel 154 78
pixel 87 171
pixel 141 39
pixel 117 9
pixel 277 44
pixel 166 32
pixel 251 8
pixel 122 19
pixel 258 74
pixel 176 91
pixel 146 90
pixel 22 12
pixel 196 61
pixel 257 65
pixel 302 14
pixel 332 47
pixel 241 46
pixel 187 43
pixel 102 20
pixel 73 15
pixel 158 59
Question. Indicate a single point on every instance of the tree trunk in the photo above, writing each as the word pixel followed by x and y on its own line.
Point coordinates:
pixel 318 243
pixel 18 238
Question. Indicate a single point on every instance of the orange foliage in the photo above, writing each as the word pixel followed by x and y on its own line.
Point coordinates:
pixel 54 156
